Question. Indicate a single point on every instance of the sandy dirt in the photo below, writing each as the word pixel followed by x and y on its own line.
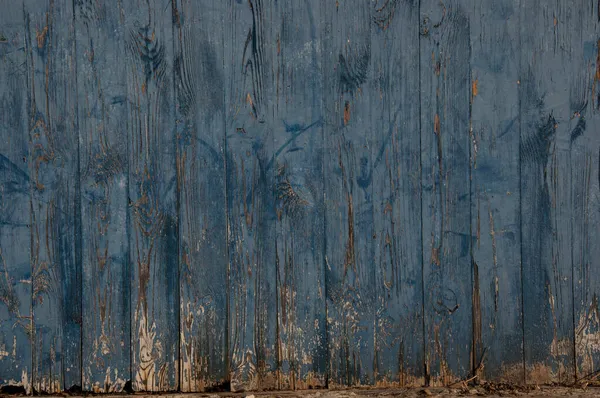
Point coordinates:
pixel 456 391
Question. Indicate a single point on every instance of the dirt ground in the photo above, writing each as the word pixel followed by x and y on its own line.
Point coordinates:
pixel 457 391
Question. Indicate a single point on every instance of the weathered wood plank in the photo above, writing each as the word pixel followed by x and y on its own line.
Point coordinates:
pixel 297 163
pixel 584 164
pixel 15 265
pixel 153 237
pixel 200 86
pixel 249 93
pixel 397 193
pixel 445 144
pixel 102 111
pixel 545 64
pixel 495 200
pixel 349 138
pixel 55 201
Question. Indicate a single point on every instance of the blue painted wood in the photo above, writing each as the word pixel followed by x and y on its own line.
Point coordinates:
pixel 585 189
pixel 15 269
pixel 200 88
pixel 495 193
pixel 154 236
pixel 546 200
pixel 55 202
pixel 397 193
pixel 250 90
pixel 297 162
pixel 297 194
pixel 349 229
pixel 445 156
pixel 102 110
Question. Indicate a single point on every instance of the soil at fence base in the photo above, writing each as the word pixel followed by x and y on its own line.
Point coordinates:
pixel 459 390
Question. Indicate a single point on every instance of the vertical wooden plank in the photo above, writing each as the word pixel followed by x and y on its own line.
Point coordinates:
pixel 349 229
pixel 445 142
pixel 297 163
pixel 584 141
pixel 397 193
pixel 55 202
pixel 153 237
pixel 200 85
pixel 102 106
pixel 546 62
pixel 249 93
pixel 495 206
pixel 15 266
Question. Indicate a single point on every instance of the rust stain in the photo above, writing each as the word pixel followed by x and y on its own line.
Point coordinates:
pixel 41 37
pixel 598 61
pixel 477 350
pixel 435 256
pixel 474 89
pixel 346 113
pixel 436 124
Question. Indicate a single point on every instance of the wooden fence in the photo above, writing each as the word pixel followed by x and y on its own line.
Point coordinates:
pixel 288 194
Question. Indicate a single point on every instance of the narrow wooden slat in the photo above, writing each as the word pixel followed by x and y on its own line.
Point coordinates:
pixel 495 199
pixel 249 93
pixel 584 164
pixel 15 265
pixel 397 193
pixel 297 163
pixel 545 63
pixel 153 236
pixel 102 112
pixel 55 202
pixel 350 236
pixel 200 85
pixel 445 143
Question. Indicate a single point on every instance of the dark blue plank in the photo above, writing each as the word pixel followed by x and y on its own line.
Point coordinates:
pixel 545 64
pixel 397 193
pixel 200 85
pixel 445 150
pixel 15 233
pixel 249 93
pixel 102 111
pixel 584 165
pixel 298 166
pixel 153 217
pixel 495 211
pixel 349 136
pixel 55 207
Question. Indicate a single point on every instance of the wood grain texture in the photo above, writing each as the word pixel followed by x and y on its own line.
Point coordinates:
pixel 250 54
pixel 200 87
pixel 495 202
pixel 348 168
pixel 445 150
pixel 584 167
pixel 15 266
pixel 102 108
pixel 396 180
pixel 298 166
pixel 545 62
pixel 154 234
pixel 55 200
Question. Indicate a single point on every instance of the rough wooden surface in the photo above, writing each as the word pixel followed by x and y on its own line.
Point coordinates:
pixel 255 195
pixel 548 108
pixel 102 107
pixel 16 323
pixel 199 88
pixel 445 158
pixel 153 239
pixel 53 165
pixel 250 106
pixel 497 351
